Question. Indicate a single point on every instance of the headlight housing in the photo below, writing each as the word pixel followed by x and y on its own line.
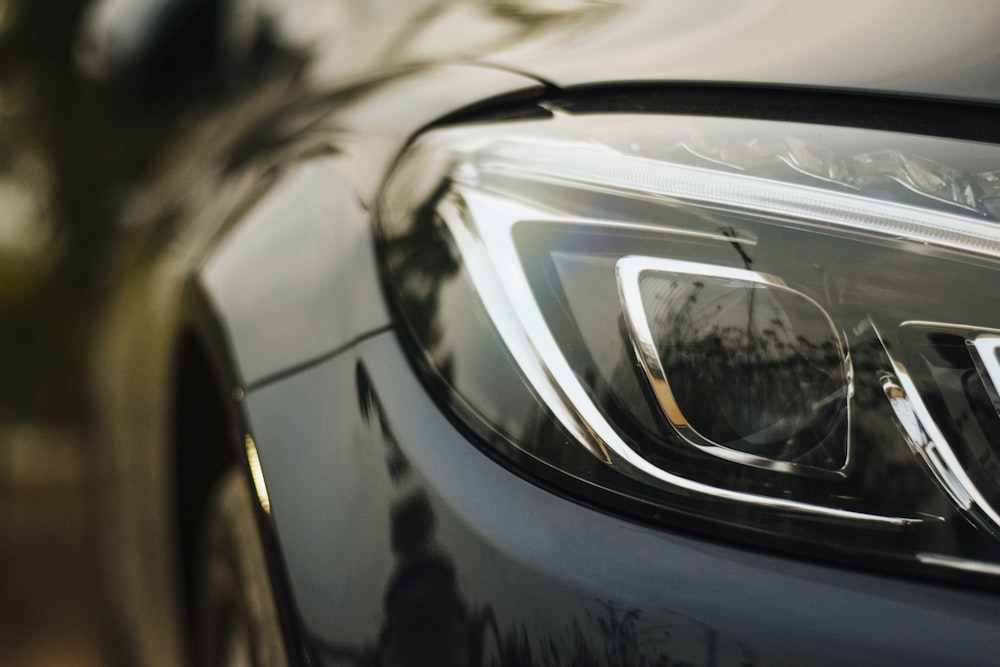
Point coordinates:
pixel 777 332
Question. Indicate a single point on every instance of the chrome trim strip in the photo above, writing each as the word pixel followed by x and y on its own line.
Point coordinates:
pixel 986 355
pixel 963 564
pixel 481 225
pixel 629 271
pixel 928 443
pixel 922 435
pixel 984 348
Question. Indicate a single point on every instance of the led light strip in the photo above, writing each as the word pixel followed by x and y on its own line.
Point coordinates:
pixel 569 164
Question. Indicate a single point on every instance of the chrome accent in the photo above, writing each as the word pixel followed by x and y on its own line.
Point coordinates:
pixel 628 271
pixel 985 349
pixel 928 443
pixel 481 225
pixel 963 564
pixel 913 420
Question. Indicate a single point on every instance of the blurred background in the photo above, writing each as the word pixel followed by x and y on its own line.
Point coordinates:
pixel 69 152
pixel 88 99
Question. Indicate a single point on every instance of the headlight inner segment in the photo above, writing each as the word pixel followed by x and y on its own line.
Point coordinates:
pixel 757 371
pixel 780 331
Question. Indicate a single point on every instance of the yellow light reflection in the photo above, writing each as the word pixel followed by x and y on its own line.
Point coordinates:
pixel 257 474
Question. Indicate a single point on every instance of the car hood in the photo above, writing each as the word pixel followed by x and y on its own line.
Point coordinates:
pixel 915 47
pixel 908 47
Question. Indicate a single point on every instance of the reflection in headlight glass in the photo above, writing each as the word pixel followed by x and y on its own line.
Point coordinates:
pixel 752 367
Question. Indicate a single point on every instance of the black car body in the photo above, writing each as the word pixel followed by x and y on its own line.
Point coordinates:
pixel 262 325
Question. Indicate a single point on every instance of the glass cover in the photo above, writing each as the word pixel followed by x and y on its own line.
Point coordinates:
pixel 773 332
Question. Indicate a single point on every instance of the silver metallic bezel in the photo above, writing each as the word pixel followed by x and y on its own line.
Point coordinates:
pixel 926 440
pixel 985 348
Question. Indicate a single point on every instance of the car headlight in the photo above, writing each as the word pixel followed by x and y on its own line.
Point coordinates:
pixel 781 333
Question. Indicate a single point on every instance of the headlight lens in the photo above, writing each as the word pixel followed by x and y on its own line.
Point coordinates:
pixel 766 330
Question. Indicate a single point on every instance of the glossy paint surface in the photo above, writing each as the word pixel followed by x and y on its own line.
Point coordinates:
pixel 407 545
pixel 297 251
pixel 897 46
pixel 907 47
pixel 296 279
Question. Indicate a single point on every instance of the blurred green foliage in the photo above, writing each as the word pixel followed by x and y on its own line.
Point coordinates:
pixel 68 152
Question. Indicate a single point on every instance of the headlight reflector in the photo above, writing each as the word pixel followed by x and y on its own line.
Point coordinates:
pixel 743 367
pixel 725 320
